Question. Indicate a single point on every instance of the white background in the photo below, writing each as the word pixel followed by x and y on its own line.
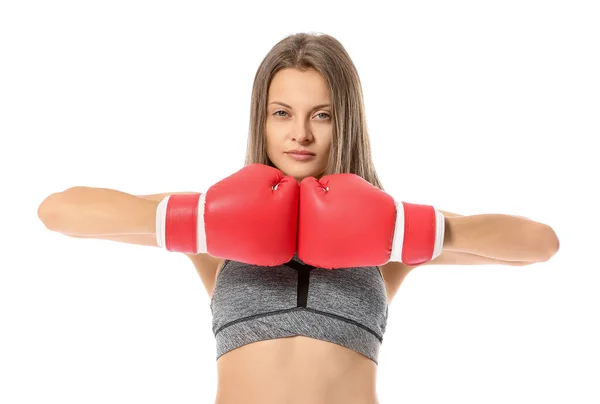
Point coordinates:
pixel 474 107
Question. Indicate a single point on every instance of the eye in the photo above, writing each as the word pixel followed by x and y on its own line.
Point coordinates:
pixel 327 116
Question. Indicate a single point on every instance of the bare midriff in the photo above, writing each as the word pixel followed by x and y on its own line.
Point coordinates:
pixel 295 370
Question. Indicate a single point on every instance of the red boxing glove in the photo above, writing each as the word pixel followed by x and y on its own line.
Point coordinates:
pixel 250 216
pixel 347 222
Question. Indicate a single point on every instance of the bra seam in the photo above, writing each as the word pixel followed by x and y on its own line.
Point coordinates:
pixel 273 313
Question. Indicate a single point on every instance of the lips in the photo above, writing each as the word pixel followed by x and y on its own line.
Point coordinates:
pixel 301 155
pixel 301 152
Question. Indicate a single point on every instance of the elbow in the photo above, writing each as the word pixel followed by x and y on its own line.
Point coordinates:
pixel 49 211
pixel 549 243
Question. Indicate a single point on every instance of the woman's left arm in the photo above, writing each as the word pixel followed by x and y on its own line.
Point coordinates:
pixel 499 237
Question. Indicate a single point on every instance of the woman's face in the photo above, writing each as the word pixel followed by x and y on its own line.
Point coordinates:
pixel 299 118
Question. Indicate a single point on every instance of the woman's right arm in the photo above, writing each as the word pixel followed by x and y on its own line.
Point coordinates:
pixel 100 213
pixel 96 212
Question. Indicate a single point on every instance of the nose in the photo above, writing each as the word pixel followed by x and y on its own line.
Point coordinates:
pixel 302 132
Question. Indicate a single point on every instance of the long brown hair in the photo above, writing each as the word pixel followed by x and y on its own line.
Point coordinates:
pixel 350 148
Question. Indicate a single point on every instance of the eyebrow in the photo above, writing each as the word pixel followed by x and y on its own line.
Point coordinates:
pixel 287 106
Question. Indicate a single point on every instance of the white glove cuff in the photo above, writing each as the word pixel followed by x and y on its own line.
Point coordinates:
pixel 398 242
pixel 200 228
pixel 161 218
pixel 440 227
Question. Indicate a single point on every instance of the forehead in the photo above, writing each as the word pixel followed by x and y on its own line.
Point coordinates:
pixel 292 85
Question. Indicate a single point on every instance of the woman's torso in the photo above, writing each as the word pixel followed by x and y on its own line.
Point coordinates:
pixel 295 369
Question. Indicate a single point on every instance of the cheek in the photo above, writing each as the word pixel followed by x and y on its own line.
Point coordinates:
pixel 327 145
pixel 271 145
pixel 274 138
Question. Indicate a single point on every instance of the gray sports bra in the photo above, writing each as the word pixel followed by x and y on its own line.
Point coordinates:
pixel 345 306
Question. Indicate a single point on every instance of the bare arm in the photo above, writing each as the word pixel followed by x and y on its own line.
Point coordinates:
pixel 142 239
pixel 59 211
pixel 96 212
pixel 462 258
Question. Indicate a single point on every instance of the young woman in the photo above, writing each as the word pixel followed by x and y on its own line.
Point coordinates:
pixel 288 328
